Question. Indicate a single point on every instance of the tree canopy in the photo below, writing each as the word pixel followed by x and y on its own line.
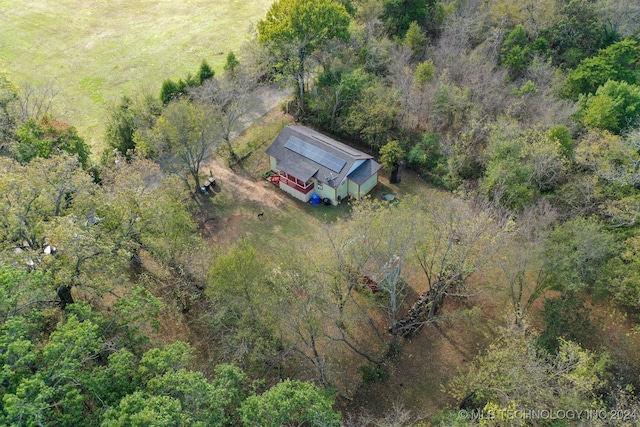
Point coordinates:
pixel 293 30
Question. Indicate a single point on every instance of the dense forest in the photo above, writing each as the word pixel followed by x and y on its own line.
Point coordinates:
pixel 518 123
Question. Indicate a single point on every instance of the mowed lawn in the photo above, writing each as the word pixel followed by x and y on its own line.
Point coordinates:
pixel 94 51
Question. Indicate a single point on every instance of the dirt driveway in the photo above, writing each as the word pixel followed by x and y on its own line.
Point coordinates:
pixel 243 187
pixel 263 100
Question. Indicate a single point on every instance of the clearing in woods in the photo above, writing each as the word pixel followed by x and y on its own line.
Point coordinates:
pixel 429 360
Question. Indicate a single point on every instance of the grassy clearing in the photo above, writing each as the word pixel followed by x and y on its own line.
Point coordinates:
pixel 95 51
pixel 428 361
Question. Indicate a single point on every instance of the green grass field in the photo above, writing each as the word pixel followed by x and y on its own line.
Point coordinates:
pixel 94 51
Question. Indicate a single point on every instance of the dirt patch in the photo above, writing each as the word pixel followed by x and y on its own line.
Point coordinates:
pixel 240 186
pixel 237 182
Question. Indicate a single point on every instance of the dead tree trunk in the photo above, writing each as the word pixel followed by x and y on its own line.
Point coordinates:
pixel 64 293
pixel 427 305
pixel 395 175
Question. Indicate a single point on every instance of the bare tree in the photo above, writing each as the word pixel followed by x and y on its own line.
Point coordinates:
pixel 397 416
pixel 622 16
pixel 185 136
pixel 384 237
pixel 520 257
pixel 230 96
pixel 457 240
pixel 35 102
pixel 8 98
pixel 304 314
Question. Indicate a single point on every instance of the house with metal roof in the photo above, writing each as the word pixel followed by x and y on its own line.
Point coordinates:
pixel 306 162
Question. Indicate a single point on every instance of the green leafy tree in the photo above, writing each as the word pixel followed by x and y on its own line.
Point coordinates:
pixel 205 72
pixel 621 275
pixel 293 30
pixel 562 136
pixel 290 403
pixel 426 157
pixel 143 208
pixel 38 192
pixel 399 14
pixel 160 391
pixel 507 178
pixel 140 409
pixel 515 52
pixel 172 90
pixel 425 73
pixel 391 156
pixel 576 32
pixel 48 137
pixel 169 91
pixel 371 117
pixel 613 159
pixel 575 253
pixel 116 378
pixel 614 107
pixel 80 233
pixel 512 374
pixel 128 120
pixel 565 319
pixel 167 394
pixel 415 40
pixel 522 165
pixel 239 283
pixel 231 65
pixel 21 290
pixel 51 395
pixel 121 126
pixel 617 62
pixel 201 402
pixel 338 92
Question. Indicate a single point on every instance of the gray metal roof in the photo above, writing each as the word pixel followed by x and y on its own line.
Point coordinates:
pixel 302 150
pixel 316 154
pixel 364 171
pixel 302 171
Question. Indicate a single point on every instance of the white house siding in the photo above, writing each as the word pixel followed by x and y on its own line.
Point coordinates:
pixel 273 163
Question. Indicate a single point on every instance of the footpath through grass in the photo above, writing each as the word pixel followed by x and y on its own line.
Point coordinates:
pixel 93 51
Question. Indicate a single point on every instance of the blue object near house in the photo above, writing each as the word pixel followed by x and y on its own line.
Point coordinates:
pixel 315 199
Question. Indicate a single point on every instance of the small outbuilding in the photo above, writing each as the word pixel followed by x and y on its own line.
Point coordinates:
pixel 307 162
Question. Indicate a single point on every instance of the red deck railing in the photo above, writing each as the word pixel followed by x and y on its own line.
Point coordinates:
pixel 295 185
